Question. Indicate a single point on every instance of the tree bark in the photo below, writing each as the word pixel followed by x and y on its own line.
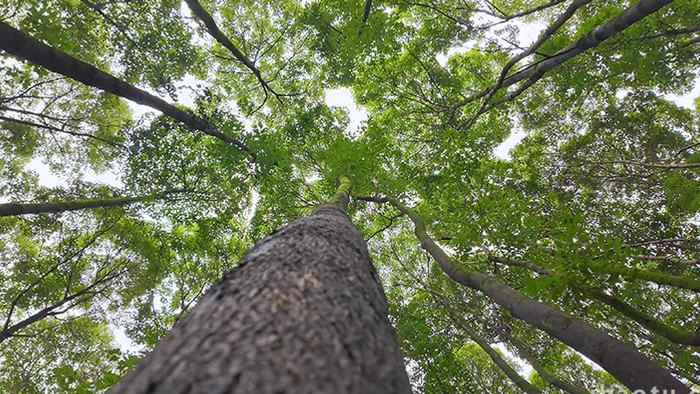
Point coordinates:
pixel 23 46
pixel 16 209
pixel 628 365
pixel 304 312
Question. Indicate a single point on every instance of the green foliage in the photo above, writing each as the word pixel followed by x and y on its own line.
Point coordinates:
pixel 605 182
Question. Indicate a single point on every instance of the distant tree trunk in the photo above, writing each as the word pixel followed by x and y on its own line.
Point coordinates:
pixel 519 381
pixel 628 365
pixel 304 312
pixel 16 209
pixel 525 353
pixel 661 278
pixel 673 334
pixel 52 310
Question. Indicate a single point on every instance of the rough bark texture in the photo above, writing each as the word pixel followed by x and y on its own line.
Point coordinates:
pixel 304 312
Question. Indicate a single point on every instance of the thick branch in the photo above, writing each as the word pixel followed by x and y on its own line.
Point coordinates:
pixel 16 209
pixel 591 39
pixel 25 47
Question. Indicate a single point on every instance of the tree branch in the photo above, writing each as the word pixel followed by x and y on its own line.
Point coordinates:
pixel 591 39
pixel 218 35
pixel 23 46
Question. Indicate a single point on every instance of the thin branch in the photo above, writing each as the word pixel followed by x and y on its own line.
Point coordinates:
pixel 60 130
pixel 218 35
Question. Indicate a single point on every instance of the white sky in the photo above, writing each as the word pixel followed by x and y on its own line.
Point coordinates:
pixel 343 98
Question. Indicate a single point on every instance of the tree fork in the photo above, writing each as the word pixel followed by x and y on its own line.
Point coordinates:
pixel 26 47
pixel 625 363
pixel 593 38
pixel 304 311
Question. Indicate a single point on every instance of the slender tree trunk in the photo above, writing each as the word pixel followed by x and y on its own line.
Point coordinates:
pixel 303 312
pixel 16 209
pixel 23 46
pixel 546 376
pixel 647 321
pixel 621 360
pixel 519 381
pixel 661 278
pixel 206 18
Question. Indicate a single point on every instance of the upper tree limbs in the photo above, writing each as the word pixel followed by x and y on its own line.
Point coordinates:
pixel 211 26
pixel 53 112
pixel 23 46
pixel 544 36
pixel 70 260
pixel 536 71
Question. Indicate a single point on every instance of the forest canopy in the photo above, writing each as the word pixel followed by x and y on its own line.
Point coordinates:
pixel 594 213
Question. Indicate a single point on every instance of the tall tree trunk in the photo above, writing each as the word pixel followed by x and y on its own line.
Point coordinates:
pixel 16 209
pixel 303 312
pixel 23 46
pixel 631 367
